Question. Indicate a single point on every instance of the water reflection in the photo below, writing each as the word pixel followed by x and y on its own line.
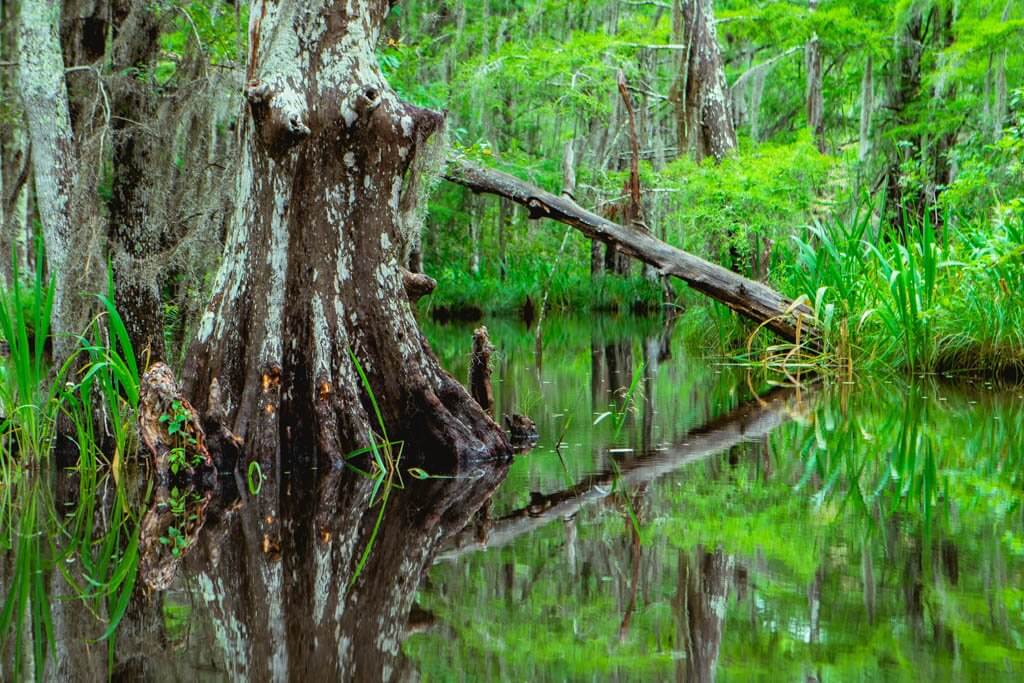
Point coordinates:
pixel 677 520
pixel 271 583
pixel 873 532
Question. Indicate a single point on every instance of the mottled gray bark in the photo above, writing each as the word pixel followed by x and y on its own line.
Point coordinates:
pixel 475 233
pixel 903 87
pixel 54 161
pixel 867 105
pixel 815 96
pixel 999 109
pixel 310 274
pixel 138 183
pixel 701 94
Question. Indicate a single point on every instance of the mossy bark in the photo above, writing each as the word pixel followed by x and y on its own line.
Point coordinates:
pixel 310 280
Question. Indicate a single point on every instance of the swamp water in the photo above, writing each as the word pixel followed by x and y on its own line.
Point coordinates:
pixel 694 524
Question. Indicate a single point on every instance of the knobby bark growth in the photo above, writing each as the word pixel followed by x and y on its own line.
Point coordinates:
pixel 310 279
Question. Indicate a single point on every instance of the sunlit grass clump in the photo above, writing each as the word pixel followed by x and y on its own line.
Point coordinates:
pixel 926 299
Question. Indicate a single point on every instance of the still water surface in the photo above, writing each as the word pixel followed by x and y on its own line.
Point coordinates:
pixel 677 520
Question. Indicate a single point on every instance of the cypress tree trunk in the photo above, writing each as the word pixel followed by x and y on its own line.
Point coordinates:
pixel 311 271
pixel 701 93
pixel 1000 110
pixel 867 105
pixel 903 88
pixel 137 188
pixel 14 157
pixel 815 96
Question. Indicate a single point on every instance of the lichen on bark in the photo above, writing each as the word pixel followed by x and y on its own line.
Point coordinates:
pixel 310 282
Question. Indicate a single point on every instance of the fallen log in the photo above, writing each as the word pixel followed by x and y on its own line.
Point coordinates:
pixel 751 299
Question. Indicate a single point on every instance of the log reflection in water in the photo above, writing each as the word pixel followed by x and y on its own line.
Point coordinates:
pixel 749 422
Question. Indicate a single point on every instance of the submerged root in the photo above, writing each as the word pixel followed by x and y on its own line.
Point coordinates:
pixel 170 426
pixel 480 370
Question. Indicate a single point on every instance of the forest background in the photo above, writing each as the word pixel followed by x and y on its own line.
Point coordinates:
pixel 868 158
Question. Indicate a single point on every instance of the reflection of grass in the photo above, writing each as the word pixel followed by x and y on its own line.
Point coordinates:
pixel 27 594
pixel 98 563
pixel 385 456
pixel 97 386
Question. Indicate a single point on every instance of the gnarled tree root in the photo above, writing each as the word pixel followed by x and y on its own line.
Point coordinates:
pixel 168 422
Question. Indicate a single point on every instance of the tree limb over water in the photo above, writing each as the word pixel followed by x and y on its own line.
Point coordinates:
pixel 753 300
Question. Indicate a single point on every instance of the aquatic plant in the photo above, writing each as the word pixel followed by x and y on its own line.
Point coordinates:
pixel 385 456
pixel 107 391
pixel 29 398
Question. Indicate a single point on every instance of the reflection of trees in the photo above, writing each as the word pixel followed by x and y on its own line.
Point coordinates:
pixel 820 566
pixel 280 578
pixel 700 605
pixel 751 421
pixel 266 592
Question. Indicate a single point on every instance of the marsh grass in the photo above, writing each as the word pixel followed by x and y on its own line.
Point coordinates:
pixel 93 552
pixel 29 398
pixel 903 302
pixel 108 388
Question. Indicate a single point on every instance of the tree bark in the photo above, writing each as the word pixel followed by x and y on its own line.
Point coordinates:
pixel 475 232
pixel 999 110
pixel 867 105
pixel 15 165
pixel 904 86
pixel 310 280
pixel 815 95
pixel 136 165
pixel 480 370
pixel 750 299
pixel 44 98
pixel 701 93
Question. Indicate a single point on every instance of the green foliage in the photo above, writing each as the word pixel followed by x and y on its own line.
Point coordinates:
pixel 212 28
pixel 910 301
pixel 180 457
pixel 28 400
pixel 176 420
pixel 385 456
pixel 749 201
